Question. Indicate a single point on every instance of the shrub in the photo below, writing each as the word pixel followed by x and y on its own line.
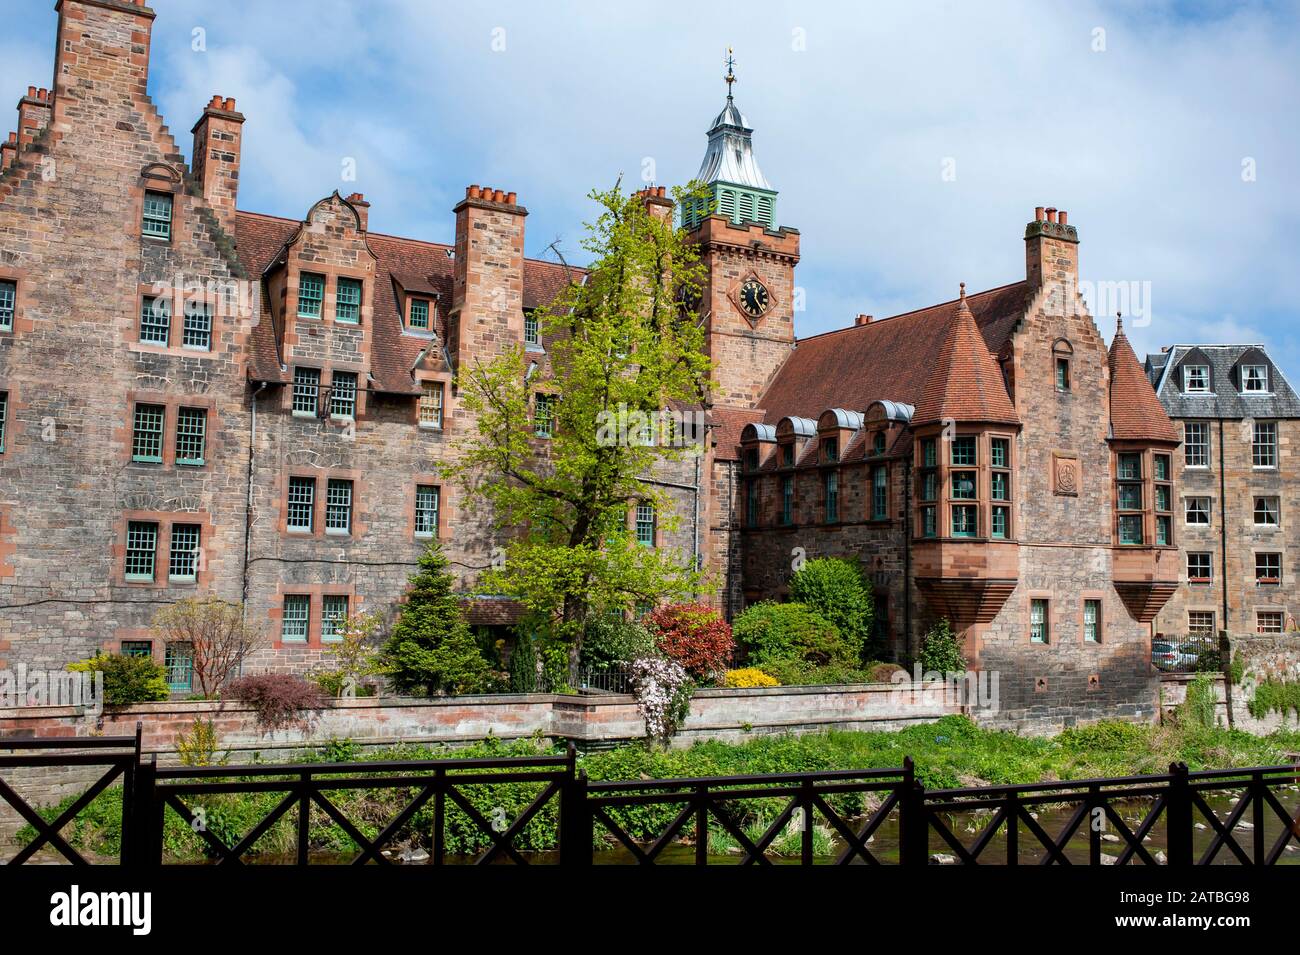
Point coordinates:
pixel 127 680
pixel 1199 705
pixel 695 635
pixel 800 673
pixel 612 642
pixel 198 745
pixel 219 640
pixel 749 677
pixel 279 700
pixel 663 696
pixel 352 658
pixel 431 649
pixel 772 632
pixel 523 662
pixel 941 651
pixel 883 672
pixel 836 589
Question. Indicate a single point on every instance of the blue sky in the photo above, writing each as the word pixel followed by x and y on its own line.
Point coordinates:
pixel 910 142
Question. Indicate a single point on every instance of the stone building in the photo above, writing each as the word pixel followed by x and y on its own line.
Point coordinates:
pixel 200 399
pixel 1239 421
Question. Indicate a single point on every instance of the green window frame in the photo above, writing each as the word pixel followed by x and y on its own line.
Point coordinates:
pixel 306 391
pixel 4 418
pixel 787 455
pixel 751 503
pixel 178 659
pixel 964 451
pixel 1000 485
pixel 930 521
pixel 645 524
pixel 343 394
pixel 197 331
pixel 311 294
pixel 183 558
pixel 544 415
pixel 1130 529
pixel 929 490
pixel 136 648
pixel 8 303
pixel 430 410
pixel 1130 497
pixel 1164 497
pixel 1040 621
pixel 964 485
pixel 832 497
pixel 830 450
pixel 156 221
pixel 1092 621
pixel 787 500
pixel 999 452
pixel 333 614
pixel 347 301
pixel 338 506
pixel 155 320
pixel 428 500
pixel 141 550
pixel 1164 530
pixel 1161 467
pixel 929 453
pixel 419 317
pixel 302 504
pixel 1062 374
pixel 147 433
pixel 965 520
pixel 532 328
pixel 879 493
pixel 1130 467
pixel 295 622
pixel 1001 518
pixel 191 436
pixel 878 443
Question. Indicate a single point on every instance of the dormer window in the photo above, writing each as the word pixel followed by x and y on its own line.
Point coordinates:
pixel 532 328
pixel 311 293
pixel 347 304
pixel 830 450
pixel 1196 379
pixel 878 443
pixel 418 317
pixel 1254 379
pixel 787 455
pixel 751 459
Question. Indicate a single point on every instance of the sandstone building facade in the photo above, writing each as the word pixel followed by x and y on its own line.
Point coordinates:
pixel 200 399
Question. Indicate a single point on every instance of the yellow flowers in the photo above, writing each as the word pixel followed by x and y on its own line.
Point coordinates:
pixel 749 677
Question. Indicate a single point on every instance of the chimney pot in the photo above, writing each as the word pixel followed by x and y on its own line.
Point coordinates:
pixel 498 196
pixel 471 192
pixel 31 91
pixel 230 104
pixel 512 198
pixel 1064 217
pixel 1051 214
pixel 864 320
pixel 13 137
pixel 1038 214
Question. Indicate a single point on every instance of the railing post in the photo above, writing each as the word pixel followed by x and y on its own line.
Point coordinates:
pixel 1178 816
pixel 142 841
pixel 575 816
pixel 913 828
pixel 806 848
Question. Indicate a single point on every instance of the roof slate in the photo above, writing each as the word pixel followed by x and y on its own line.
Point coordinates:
pixel 1226 401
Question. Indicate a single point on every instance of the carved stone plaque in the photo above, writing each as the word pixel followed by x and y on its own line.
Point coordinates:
pixel 1065 474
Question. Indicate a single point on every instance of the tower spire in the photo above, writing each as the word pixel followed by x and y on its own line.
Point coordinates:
pixel 731 72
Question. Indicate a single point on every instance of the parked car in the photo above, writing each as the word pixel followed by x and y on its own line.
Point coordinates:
pixel 1170 656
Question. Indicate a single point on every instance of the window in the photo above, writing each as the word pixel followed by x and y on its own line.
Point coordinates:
pixel 832 496
pixel 787 455
pixel 311 293
pixel 1268 511
pixel 1269 621
pixel 1196 444
pixel 1129 497
pixel 751 460
pixel 1200 566
pixel 419 314
pixel 787 500
pixel 963 485
pixel 544 415
pixel 1164 497
pixel 431 404
pixel 1200 622
pixel 1062 374
pixel 302 503
pixel 338 507
pixel 191 436
pixel 343 394
pixel 426 510
pixel 1130 528
pixel 1092 621
pixel 1001 522
pixel 4 417
pixel 929 521
pixel 197 331
pixel 1001 485
pixel 347 301
pixel 879 493
pixel 297 617
pixel 157 221
pixel 333 614
pixel 1130 467
pixel 136 648
pixel 1254 379
pixel 178 659
pixel 830 450
pixel 929 453
pixel 645 524
pixel 141 546
pixel 1268 568
pixel 155 320
pixel 1196 378
pixel 929 485
pixel 751 504
pixel 878 444
pixel 1198 510
pixel 532 331
pixel 8 299
pixel 147 435
pixel 183 562
pixel 306 390
pixel 963 450
pixel 1161 462
pixel 1039 623
pixel 1264 449
pixel 965 520
pixel 999 452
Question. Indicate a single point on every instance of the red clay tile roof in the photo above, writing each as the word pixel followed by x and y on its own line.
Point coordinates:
pixel 1136 414
pixel 888 359
pixel 965 382
pixel 426 264
pixel 727 424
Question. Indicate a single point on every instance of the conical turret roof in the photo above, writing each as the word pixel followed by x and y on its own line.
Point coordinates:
pixel 966 383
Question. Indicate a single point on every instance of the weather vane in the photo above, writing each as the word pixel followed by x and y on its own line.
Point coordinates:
pixel 731 74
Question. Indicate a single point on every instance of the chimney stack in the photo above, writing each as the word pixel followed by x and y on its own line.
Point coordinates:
pixel 218 139
pixel 358 201
pixel 1051 250
pixel 8 151
pixel 864 320
pixel 102 55
pixel 34 111
pixel 487 304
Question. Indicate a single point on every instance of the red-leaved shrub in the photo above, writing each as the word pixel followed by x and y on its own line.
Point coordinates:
pixel 280 700
pixel 695 635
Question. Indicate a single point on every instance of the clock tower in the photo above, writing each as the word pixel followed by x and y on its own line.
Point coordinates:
pixel 749 294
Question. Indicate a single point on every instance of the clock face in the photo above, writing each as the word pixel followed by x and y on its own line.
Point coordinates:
pixel 754 299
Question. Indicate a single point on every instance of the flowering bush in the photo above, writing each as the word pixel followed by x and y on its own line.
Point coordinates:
pixel 663 695
pixel 279 700
pixel 695 635
pixel 749 677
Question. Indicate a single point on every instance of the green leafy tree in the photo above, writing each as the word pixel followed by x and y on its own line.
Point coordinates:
pixel 127 680
pixel 624 346
pixel 431 649
pixel 837 590
pixel 941 650
pixel 774 633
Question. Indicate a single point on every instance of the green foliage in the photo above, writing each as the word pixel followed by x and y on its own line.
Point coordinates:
pixel 1274 696
pixel 837 589
pixel 523 661
pixel 941 651
pixel 620 343
pixel 431 649
pixel 778 633
pixel 127 680
pixel 799 673
pixel 351 659
pixel 610 642
pixel 198 745
pixel 1199 705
